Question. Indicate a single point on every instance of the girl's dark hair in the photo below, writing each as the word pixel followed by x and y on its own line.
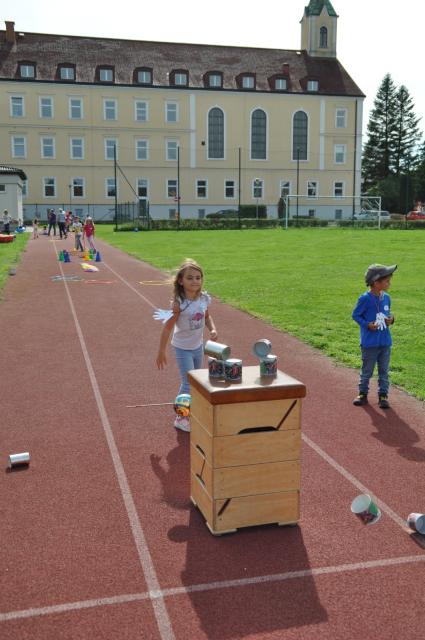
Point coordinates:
pixel 178 291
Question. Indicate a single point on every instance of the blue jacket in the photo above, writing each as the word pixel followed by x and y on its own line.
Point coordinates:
pixel 365 311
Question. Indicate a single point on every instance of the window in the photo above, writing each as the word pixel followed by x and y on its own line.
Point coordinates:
pixel 312 85
pixel 214 80
pixel 111 148
pixel 338 214
pixel 201 188
pixel 49 187
pixel 258 135
pixel 76 108
pixel 46 107
pixel 141 111
pixel 179 78
pixel 106 74
pixel 229 188
pixel 77 148
pixel 323 44
pixel 299 136
pixel 216 134
pixel 142 188
pixel 338 189
pixel 19 147
pixel 201 214
pixel 17 107
pixel 172 189
pixel 47 147
pixel 248 82
pixel 171 149
pixel 285 188
pixel 78 188
pixel 110 109
pixel 311 213
pixel 3 188
pixel 25 188
pixel 171 112
pixel 340 151
pixel 280 84
pixel 341 118
pixel 67 72
pixel 110 188
pixel 312 191
pixel 172 214
pixel 257 188
pixel 143 76
pixel 142 149
pixel 27 70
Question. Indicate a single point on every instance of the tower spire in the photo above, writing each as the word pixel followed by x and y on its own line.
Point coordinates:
pixel 318 29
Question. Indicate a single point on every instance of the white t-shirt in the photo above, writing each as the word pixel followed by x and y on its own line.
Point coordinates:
pixel 189 328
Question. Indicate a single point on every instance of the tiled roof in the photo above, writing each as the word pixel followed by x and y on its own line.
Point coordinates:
pixel 6 170
pixel 315 8
pixel 47 51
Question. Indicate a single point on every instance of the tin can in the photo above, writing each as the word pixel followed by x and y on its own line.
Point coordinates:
pixel 19 460
pixel 261 348
pixel 233 370
pixel 216 350
pixel 215 368
pixel 416 521
pixel 268 366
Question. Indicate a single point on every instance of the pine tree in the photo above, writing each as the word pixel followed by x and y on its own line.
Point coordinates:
pixel 381 129
pixel 407 134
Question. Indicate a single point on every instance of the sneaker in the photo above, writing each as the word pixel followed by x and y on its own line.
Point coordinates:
pixel 360 400
pixel 383 401
pixel 182 423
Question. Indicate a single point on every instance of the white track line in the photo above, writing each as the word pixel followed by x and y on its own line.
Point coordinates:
pixel 196 588
pixel 145 558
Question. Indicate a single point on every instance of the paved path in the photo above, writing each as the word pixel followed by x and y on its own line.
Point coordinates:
pixel 98 536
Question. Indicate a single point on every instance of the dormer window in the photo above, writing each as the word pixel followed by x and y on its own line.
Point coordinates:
pixel 248 81
pixel 105 74
pixel 312 85
pixel 27 70
pixel 143 75
pixel 213 79
pixel 179 78
pixel 280 84
pixel 66 72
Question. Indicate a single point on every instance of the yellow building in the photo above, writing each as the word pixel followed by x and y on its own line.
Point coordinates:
pixel 215 126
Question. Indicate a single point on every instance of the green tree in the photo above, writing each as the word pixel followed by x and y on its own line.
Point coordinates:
pixel 381 131
pixel 407 134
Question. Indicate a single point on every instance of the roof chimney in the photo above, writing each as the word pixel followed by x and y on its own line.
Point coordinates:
pixel 10 32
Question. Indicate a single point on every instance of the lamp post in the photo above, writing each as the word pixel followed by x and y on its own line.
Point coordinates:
pixel 70 196
pixel 178 186
pixel 257 184
pixel 298 181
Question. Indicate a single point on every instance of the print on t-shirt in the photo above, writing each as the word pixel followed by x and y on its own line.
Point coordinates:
pixel 195 321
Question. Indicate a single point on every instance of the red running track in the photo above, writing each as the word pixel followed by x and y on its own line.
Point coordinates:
pixel 99 538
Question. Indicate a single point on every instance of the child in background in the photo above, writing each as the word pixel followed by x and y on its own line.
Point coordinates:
pixel 189 316
pixel 35 228
pixel 77 228
pixel 372 313
pixel 89 231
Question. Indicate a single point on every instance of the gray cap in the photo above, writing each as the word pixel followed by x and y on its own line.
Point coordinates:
pixel 377 271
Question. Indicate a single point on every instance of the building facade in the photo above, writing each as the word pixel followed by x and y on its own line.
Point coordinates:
pixel 192 127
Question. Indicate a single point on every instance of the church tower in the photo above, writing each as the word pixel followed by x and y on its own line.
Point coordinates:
pixel 318 29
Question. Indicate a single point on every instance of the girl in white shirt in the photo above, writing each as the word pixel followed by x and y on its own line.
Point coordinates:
pixel 190 315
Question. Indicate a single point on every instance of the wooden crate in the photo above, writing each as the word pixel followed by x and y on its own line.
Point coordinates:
pixel 245 449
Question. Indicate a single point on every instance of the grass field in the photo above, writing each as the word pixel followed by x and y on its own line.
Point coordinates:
pixel 305 282
pixel 9 255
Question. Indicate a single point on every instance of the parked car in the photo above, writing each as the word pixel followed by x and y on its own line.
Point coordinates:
pixel 415 215
pixel 223 213
pixel 372 214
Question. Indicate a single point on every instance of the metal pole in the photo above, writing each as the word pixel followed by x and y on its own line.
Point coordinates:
pixel 70 196
pixel 178 186
pixel 239 188
pixel 298 181
pixel 116 188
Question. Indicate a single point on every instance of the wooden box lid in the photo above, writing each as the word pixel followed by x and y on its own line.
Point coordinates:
pixel 251 389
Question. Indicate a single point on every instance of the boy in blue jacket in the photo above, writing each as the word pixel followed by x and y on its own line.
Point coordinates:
pixel 372 313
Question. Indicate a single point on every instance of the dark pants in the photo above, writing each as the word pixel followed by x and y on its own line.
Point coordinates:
pixel 62 230
pixel 52 224
pixel 370 357
pixel 7 228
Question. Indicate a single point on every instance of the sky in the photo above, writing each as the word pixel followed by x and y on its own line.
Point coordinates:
pixel 375 37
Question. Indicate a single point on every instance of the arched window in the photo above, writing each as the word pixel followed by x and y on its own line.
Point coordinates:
pixel 323 38
pixel 258 135
pixel 216 133
pixel 299 136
